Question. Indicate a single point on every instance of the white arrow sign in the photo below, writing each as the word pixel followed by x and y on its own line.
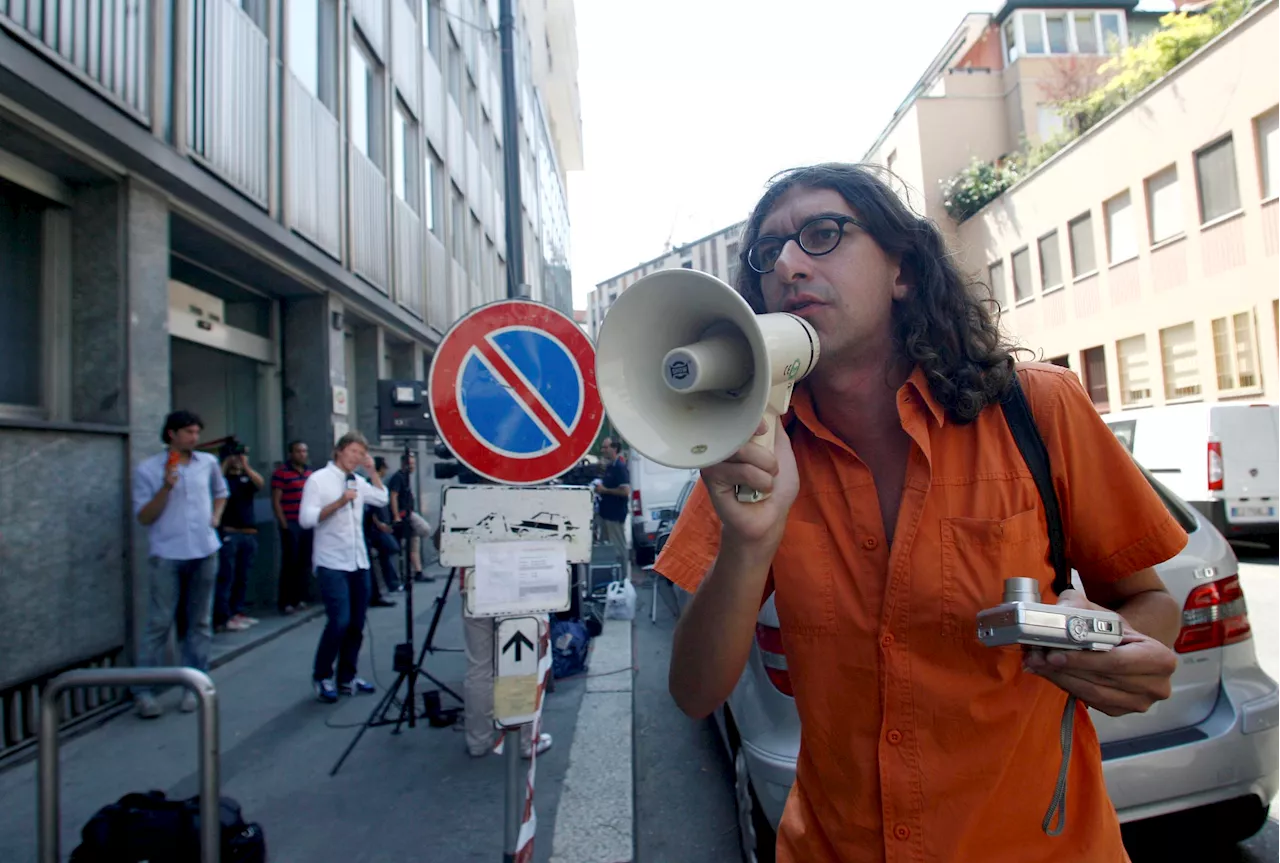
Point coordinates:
pixel 515 688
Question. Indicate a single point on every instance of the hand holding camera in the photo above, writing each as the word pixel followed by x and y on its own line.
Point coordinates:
pixel 1082 648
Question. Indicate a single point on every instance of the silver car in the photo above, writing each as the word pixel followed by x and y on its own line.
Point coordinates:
pixel 1214 741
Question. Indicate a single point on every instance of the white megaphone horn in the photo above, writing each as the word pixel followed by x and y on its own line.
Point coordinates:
pixel 687 370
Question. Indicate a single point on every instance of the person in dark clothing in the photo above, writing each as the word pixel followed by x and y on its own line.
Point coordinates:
pixel 411 527
pixel 614 490
pixel 378 538
pixel 295 542
pixel 239 542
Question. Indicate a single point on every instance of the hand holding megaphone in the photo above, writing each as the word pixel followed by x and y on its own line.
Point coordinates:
pixel 769 469
pixel 688 372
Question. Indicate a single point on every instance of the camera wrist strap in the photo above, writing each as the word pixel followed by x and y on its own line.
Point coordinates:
pixel 1022 425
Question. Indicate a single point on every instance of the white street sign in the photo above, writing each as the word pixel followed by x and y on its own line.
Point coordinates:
pixel 515 687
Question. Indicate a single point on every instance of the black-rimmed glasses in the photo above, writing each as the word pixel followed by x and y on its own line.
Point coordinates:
pixel 816 237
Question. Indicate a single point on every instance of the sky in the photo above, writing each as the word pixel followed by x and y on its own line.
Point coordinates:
pixel 689 106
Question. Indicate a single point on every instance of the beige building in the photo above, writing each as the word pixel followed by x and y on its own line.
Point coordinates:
pixel 1144 254
pixel 715 254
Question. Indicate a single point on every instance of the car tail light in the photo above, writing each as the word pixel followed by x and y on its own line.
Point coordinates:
pixel 1214 615
pixel 1215 466
pixel 769 640
pixel 636 508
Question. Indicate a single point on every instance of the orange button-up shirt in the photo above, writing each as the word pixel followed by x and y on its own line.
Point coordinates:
pixel 918 743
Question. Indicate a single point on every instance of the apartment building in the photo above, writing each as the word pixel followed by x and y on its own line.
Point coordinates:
pixel 1143 254
pixel 253 209
pixel 715 253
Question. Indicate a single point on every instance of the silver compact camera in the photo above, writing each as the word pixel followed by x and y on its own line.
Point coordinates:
pixel 1023 619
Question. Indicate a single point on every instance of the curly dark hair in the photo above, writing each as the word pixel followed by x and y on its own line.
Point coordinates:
pixel 948 326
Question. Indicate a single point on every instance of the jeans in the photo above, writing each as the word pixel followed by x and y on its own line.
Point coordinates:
pixel 295 567
pixel 235 561
pixel 171 582
pixel 346 599
pixel 388 551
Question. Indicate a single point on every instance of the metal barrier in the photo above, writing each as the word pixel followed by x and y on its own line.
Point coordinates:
pixel 47 784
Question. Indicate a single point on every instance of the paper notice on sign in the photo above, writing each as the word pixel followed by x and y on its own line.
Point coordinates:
pixel 515 699
pixel 520 576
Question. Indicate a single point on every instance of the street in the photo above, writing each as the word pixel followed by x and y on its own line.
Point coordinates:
pixel 684 780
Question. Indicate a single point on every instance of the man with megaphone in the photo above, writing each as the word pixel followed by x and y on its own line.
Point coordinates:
pixel 884 501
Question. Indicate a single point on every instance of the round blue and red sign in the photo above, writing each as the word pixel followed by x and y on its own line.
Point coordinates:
pixel 512 390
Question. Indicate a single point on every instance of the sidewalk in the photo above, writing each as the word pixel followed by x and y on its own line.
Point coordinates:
pixel 415 796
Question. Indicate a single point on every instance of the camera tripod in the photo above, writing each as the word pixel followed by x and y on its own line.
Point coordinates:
pixel 407 670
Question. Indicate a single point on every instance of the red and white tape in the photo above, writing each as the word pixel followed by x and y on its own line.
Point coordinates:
pixel 529 819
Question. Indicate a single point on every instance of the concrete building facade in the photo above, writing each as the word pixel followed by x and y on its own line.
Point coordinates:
pixel 255 220
pixel 716 253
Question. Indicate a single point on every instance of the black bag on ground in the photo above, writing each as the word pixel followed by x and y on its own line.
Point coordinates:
pixel 149 827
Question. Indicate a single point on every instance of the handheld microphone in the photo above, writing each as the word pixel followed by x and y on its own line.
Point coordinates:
pixel 351 485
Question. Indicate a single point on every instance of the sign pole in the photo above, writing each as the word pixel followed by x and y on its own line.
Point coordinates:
pixel 515 798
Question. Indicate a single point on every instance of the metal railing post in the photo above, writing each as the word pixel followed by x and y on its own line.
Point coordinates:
pixel 48 820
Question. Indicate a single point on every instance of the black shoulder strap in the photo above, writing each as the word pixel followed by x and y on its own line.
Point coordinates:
pixel 1017 413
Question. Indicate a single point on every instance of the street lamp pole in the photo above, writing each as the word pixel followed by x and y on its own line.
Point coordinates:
pixel 516 286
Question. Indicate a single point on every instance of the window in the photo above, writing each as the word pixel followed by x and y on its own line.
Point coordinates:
pixel 1124 430
pixel 1109 26
pixel 434 190
pixel 998 288
pixel 1022 287
pixel 22 293
pixel 1062 361
pixel 1135 371
pixel 1080 232
pixel 1164 205
pixel 1056 27
pixel 1122 238
pixel 1033 32
pixel 404 156
pixel 1050 261
pixel 1178 355
pixel 1268 153
pixel 454 72
pixel 431 27
pixel 1095 377
pixel 473 109
pixel 1086 33
pixel 477 264
pixel 1010 41
pixel 457 225
pixel 1235 353
pixel 1216 180
pixel 731 257
pixel 1048 121
pixel 312 49
pixel 365 111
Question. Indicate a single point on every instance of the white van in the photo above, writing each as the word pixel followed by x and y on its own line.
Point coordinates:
pixel 1218 457
pixel 655 488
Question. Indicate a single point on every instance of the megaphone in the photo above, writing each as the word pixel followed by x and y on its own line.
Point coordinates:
pixel 686 369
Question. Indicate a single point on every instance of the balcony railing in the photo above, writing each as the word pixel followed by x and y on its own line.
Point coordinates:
pixel 107 43
pixel 368 221
pixel 313 181
pixel 228 61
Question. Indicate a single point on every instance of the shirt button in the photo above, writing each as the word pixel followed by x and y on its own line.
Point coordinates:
pixel 902 832
pixel 894 737
pixel 869 543
pixel 886 640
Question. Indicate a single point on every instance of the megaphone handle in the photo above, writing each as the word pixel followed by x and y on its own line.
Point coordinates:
pixel 779 401
pixel 745 493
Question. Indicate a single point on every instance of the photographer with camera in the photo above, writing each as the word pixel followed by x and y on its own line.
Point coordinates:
pixel 239 531
pixel 899 505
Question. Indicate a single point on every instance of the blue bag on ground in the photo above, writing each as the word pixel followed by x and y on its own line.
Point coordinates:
pixel 570 643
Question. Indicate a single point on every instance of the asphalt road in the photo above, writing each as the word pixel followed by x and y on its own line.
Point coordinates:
pixel 684 782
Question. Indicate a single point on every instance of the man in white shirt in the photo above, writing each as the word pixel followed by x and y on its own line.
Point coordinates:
pixel 333 502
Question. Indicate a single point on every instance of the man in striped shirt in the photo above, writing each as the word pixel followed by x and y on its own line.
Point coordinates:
pixel 295 542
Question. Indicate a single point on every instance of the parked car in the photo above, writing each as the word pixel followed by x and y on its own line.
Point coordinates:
pixel 655 489
pixel 1213 743
pixel 1218 457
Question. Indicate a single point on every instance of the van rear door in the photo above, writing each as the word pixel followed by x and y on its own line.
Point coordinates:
pixel 1246 436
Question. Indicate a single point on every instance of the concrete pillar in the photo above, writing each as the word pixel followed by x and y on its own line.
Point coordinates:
pixel 98 312
pixel 313 366
pixel 370 347
pixel 146 280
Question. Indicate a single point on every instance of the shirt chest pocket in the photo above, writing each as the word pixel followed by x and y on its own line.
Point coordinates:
pixel 978 554
pixel 804 571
